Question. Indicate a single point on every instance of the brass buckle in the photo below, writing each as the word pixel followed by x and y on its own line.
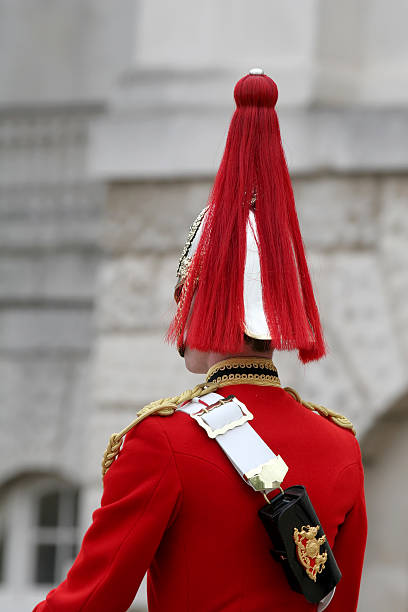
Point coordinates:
pixel 268 475
pixel 213 433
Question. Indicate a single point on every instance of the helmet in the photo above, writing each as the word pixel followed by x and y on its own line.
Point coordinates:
pixel 243 269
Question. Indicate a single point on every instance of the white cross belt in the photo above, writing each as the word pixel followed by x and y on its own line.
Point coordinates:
pixel 226 420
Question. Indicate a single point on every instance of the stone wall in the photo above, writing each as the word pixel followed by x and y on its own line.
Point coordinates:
pixel 386 472
pixel 49 230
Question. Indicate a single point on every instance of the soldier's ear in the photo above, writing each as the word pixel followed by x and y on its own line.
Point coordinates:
pixel 197 362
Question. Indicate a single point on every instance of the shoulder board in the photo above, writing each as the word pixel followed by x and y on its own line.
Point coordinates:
pixel 162 407
pixel 337 418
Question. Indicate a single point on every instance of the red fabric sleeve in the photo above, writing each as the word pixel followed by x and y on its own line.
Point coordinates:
pixel 141 498
pixel 350 542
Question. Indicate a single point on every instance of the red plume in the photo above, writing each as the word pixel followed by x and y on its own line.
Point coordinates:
pixel 253 163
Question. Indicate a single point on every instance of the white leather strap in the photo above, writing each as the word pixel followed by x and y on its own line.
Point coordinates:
pixel 324 603
pixel 243 446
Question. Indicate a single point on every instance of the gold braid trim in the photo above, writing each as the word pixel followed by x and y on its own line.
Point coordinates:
pixel 337 418
pixel 232 363
pixel 163 407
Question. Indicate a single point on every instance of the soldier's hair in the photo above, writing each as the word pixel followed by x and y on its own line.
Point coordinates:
pixel 259 346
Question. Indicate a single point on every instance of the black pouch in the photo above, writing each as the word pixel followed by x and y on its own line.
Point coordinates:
pixel 299 543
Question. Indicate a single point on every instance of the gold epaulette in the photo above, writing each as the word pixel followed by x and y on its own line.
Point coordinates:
pixel 162 407
pixel 337 418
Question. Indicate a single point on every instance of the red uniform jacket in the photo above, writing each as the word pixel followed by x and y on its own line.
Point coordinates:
pixel 173 504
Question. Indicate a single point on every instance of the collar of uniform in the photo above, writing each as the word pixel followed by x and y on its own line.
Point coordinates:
pixel 249 370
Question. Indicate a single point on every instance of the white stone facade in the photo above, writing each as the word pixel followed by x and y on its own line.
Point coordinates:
pixel 112 120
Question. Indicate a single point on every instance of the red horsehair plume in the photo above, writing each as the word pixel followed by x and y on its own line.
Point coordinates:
pixel 253 163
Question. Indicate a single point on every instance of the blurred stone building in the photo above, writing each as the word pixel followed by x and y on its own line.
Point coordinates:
pixel 113 116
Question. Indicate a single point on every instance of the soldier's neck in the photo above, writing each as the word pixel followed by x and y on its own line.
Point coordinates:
pixel 200 362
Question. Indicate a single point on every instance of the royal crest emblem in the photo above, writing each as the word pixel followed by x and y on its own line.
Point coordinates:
pixel 308 550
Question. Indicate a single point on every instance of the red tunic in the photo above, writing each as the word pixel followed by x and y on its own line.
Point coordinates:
pixel 174 505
